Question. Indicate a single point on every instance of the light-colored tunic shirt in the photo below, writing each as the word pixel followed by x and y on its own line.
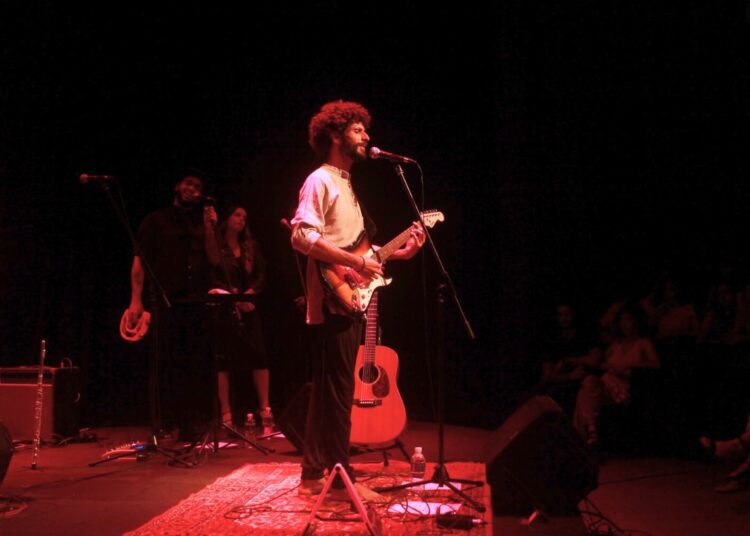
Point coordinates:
pixel 327 208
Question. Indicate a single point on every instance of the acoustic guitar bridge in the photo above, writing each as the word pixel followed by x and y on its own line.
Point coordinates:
pixel 367 403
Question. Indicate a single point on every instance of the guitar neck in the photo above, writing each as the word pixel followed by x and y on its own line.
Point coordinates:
pixel 388 249
pixel 371 330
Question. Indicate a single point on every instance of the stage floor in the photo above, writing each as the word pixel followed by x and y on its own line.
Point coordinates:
pixel 64 495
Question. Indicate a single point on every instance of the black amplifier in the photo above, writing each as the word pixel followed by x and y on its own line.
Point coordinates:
pixel 60 410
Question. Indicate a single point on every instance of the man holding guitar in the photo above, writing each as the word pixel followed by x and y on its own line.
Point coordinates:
pixel 328 227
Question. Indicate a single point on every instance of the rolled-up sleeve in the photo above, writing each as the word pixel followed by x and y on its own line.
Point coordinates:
pixel 307 224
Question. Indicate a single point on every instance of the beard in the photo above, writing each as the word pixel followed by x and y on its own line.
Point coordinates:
pixel 186 202
pixel 355 151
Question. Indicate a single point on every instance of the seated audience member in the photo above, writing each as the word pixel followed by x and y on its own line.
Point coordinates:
pixel 669 317
pixel 630 350
pixel 569 353
pixel 630 292
pixel 719 321
pixel 737 449
pixel 608 322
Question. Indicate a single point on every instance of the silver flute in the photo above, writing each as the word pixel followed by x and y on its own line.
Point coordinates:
pixel 38 405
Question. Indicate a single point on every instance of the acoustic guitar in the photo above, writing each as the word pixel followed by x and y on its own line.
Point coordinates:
pixel 378 412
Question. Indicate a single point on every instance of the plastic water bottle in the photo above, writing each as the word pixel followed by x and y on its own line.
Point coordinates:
pixel 418 465
pixel 249 425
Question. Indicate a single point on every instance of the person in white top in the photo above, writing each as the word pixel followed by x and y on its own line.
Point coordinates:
pixel 327 223
pixel 628 351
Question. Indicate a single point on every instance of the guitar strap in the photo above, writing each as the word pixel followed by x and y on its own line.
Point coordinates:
pixel 370 228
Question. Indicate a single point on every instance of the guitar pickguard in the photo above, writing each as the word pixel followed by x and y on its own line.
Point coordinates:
pixel 350 290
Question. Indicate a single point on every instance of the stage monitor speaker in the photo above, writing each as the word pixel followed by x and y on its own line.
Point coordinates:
pixel 536 460
pixel 6 450
pixel 292 420
pixel 18 395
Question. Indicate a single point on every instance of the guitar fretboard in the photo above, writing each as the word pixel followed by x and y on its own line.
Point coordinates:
pixel 371 334
pixel 388 249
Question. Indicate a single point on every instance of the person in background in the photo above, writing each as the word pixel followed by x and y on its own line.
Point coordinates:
pixel 630 350
pixel 239 344
pixel 175 244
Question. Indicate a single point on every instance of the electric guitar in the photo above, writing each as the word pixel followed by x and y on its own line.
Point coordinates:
pixel 350 291
pixel 378 412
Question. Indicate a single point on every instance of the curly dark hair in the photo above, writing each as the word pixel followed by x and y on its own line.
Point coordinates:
pixel 334 117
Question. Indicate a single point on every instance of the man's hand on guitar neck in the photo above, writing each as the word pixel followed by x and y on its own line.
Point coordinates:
pixel 413 245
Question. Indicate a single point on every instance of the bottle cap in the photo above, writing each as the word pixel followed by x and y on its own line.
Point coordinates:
pixel 418 450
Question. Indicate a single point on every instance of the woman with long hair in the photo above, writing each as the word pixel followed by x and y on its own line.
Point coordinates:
pixel 239 341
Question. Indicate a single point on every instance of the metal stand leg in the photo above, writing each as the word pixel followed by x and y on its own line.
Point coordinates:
pixel 397 444
pixel 440 476
pixel 373 528
pixel 211 435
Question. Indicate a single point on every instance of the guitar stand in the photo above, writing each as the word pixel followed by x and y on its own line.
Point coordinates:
pixel 371 521
pixel 365 449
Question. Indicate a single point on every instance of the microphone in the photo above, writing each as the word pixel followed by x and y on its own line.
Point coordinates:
pixel 207 200
pixel 86 178
pixel 376 153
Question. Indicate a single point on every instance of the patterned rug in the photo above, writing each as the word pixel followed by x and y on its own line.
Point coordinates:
pixel 262 499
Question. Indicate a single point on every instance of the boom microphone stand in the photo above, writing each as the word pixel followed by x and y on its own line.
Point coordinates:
pixel 440 476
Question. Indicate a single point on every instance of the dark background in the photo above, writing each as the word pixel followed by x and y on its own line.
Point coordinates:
pixel 576 149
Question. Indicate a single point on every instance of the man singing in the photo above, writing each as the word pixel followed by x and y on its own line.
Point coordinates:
pixel 327 224
pixel 177 242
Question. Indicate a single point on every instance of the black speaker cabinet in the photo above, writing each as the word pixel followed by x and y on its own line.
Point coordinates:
pixel 536 460
pixel 292 420
pixel 18 395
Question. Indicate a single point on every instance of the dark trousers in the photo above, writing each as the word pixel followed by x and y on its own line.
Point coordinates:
pixel 334 352
pixel 180 363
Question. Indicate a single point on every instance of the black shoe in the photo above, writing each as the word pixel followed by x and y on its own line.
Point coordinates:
pixel 734 483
